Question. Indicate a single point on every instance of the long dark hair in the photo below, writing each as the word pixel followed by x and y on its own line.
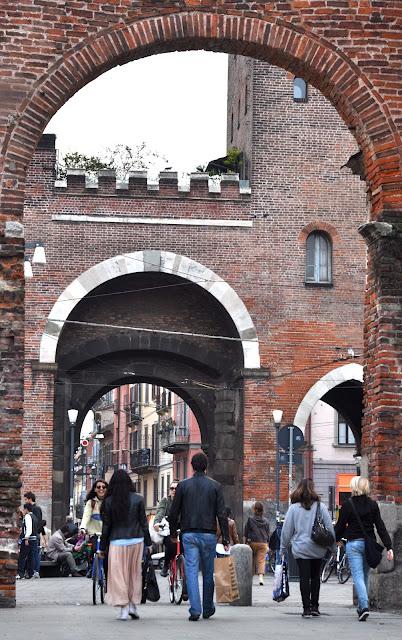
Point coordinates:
pixel 91 495
pixel 305 494
pixel 119 489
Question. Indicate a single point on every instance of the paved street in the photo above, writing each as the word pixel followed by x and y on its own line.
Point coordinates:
pixel 62 608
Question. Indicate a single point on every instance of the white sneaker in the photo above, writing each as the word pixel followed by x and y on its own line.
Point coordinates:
pixel 18 577
pixel 132 611
pixel 36 575
pixel 123 615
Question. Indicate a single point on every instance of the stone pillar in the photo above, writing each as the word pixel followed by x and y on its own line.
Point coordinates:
pixel 243 559
pixel 11 397
pixel 382 414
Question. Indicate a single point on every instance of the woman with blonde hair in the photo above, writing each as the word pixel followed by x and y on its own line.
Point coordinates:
pixel 360 511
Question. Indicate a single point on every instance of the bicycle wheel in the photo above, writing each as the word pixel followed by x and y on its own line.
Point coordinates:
pixel 327 569
pixel 344 570
pixel 98 591
pixel 172 574
pixel 178 582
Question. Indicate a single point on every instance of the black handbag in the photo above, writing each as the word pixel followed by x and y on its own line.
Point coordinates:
pixel 319 533
pixel 372 549
pixel 150 589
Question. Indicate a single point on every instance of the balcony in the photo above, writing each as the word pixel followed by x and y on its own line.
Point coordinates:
pixel 144 460
pixel 174 438
pixel 133 412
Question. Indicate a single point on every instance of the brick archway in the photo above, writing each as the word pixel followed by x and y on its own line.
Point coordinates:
pixel 321 387
pixel 269 38
pixel 138 262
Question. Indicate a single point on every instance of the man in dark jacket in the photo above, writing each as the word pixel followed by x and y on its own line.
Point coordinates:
pixel 198 502
pixel 30 498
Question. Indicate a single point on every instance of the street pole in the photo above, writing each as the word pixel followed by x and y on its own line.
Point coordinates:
pixel 290 459
pixel 277 425
pixel 277 415
pixel 72 416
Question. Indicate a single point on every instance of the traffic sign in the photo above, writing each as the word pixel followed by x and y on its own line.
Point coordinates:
pixel 284 437
pixel 284 458
pixel 84 443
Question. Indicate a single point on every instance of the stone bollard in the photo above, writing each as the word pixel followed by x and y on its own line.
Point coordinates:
pixel 243 561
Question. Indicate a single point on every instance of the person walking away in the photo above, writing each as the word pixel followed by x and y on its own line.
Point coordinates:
pixel 296 531
pixel 37 511
pixel 91 522
pixel 162 511
pixel 61 551
pixel 29 543
pixel 125 530
pixel 349 527
pixel 198 503
pixel 256 534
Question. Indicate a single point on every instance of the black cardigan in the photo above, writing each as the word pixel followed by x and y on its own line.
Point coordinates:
pixel 135 525
pixel 349 528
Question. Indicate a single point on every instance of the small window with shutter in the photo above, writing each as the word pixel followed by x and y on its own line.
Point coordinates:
pixel 299 90
pixel 318 258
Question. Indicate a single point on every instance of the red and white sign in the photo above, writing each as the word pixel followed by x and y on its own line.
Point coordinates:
pixel 84 443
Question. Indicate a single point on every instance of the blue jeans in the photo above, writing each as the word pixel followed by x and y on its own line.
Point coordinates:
pixel 360 570
pixel 199 553
pixel 37 557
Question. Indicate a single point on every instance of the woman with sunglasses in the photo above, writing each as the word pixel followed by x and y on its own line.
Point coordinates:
pixel 91 522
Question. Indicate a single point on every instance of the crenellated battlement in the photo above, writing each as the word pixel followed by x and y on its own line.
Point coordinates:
pixel 141 184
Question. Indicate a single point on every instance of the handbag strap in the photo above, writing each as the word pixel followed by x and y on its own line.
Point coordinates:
pixel 358 519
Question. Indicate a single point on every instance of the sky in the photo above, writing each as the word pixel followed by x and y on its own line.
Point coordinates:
pixel 175 102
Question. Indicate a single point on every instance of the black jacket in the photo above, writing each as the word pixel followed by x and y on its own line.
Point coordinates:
pixel 135 525
pixel 349 528
pixel 198 502
pixel 256 529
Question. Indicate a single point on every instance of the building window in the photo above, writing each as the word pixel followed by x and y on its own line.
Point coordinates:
pixel 145 491
pixel 167 483
pixel 163 487
pixel 345 433
pixel 299 90
pixel 177 473
pixel 185 461
pixel 318 258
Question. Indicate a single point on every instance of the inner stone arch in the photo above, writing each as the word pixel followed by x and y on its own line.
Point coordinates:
pixel 151 261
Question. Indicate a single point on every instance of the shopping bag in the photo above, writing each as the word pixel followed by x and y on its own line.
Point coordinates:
pixel 281 583
pixel 226 585
pixel 150 589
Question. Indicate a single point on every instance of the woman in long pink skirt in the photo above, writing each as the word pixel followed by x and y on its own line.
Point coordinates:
pixel 125 531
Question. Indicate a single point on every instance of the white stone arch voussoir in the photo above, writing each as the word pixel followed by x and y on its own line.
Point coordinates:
pixel 150 260
pixel 352 371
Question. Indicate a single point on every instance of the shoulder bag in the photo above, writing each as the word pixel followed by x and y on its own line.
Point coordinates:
pixel 372 549
pixel 319 533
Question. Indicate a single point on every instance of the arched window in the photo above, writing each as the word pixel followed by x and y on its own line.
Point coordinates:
pixel 299 90
pixel 318 258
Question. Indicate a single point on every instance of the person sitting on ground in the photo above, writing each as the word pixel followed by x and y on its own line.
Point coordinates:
pixel 61 551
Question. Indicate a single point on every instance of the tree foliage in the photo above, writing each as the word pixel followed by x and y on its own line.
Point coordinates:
pixel 122 158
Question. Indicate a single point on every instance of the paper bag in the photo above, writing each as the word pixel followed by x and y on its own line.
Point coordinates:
pixel 226 585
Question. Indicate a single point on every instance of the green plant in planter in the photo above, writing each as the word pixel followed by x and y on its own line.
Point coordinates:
pixel 233 160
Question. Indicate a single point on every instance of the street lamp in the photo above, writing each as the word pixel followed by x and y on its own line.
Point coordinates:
pixel 277 415
pixel 72 416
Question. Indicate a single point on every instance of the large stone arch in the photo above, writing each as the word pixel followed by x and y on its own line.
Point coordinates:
pixel 265 36
pixel 138 262
pixel 332 379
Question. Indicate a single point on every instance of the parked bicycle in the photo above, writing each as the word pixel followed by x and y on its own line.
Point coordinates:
pixel 337 562
pixel 98 576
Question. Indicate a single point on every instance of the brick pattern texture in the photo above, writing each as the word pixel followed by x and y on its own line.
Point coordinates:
pixel 350 51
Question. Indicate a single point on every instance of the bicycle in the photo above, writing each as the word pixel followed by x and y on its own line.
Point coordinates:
pixel 98 576
pixel 337 562
pixel 176 576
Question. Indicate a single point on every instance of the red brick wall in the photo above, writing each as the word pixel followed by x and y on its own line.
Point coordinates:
pixel 350 51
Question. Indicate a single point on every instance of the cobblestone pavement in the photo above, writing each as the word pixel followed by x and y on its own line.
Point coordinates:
pixel 61 608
